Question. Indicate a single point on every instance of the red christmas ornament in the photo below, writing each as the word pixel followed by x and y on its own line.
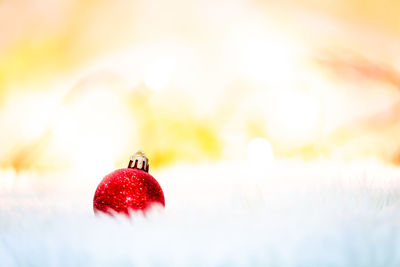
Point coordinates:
pixel 131 188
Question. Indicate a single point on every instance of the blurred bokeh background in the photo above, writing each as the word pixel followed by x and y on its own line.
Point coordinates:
pixel 86 83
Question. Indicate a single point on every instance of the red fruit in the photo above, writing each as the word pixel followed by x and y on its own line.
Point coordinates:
pixel 128 189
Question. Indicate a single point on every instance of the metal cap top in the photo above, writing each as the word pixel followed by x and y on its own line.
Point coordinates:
pixel 139 161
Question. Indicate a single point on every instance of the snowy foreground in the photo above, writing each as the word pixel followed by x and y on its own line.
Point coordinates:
pixel 225 214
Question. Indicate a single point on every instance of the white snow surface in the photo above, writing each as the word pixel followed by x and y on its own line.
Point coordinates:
pixel 217 214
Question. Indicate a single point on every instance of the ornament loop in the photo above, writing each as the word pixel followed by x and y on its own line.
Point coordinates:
pixel 139 161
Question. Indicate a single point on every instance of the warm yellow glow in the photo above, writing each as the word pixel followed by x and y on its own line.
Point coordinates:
pixel 194 83
pixel 92 131
pixel 29 114
pixel 265 56
pixel 294 118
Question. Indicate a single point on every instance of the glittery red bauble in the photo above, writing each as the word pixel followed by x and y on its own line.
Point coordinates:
pixel 127 189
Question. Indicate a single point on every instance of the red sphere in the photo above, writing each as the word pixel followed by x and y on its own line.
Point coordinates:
pixel 127 189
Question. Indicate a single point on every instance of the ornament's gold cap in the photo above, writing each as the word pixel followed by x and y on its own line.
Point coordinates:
pixel 139 161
